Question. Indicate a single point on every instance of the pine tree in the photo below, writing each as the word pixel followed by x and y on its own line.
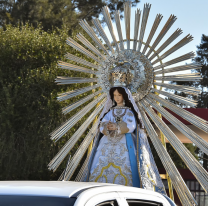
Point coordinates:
pixel 202 58
pixel 53 13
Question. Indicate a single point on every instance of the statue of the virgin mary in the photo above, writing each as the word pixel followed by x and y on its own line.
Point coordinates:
pixel 121 153
pixel 126 83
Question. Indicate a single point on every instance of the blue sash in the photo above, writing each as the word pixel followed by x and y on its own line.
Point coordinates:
pixel 133 160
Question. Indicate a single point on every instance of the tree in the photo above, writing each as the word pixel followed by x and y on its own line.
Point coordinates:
pixel 202 58
pixel 52 13
pixel 29 111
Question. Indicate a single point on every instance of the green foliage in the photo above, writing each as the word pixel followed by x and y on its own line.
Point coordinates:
pixel 202 57
pixel 53 13
pixel 29 111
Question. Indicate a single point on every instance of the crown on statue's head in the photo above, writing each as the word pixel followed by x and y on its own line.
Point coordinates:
pixel 121 75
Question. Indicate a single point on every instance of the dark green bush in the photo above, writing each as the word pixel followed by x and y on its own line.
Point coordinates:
pixel 28 107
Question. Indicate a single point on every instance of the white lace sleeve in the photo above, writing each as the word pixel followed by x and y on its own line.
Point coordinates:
pixel 104 121
pixel 130 121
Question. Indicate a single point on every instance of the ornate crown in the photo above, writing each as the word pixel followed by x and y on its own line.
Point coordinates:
pixel 121 75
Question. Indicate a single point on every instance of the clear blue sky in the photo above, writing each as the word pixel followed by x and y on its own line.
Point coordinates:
pixel 192 18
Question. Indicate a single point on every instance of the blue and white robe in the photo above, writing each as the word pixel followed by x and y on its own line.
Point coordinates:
pixel 123 156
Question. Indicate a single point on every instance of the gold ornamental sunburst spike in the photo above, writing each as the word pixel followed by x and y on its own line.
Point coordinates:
pixel 118 26
pixel 92 34
pixel 143 25
pixel 195 138
pixel 184 57
pixel 177 46
pixel 73 80
pixel 179 68
pixel 195 167
pixel 152 32
pixel 190 117
pixel 66 126
pixel 177 33
pixel 110 26
pixel 183 100
pixel 182 77
pixel 74 105
pixel 82 39
pixel 101 31
pixel 65 65
pixel 178 182
pixel 136 27
pixel 164 30
pixel 186 89
pixel 80 152
pixel 127 18
pixel 67 95
pixel 60 156
pixel 81 49
pixel 80 61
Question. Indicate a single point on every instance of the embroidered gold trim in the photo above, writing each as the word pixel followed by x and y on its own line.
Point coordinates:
pixel 117 167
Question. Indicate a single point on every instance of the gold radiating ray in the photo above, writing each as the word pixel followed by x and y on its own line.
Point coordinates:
pixel 127 18
pixel 60 156
pixel 143 25
pixel 118 25
pixel 179 68
pixel 186 89
pixel 166 43
pixel 67 95
pixel 110 26
pixel 164 30
pixel 65 65
pixel 81 49
pixel 195 167
pixel 180 186
pixel 190 117
pixel 73 80
pixel 196 77
pixel 82 39
pixel 195 138
pixel 74 105
pixel 177 46
pixel 80 60
pixel 80 152
pixel 183 100
pixel 98 26
pixel 66 126
pixel 136 27
pixel 184 57
pixel 92 34
pixel 152 32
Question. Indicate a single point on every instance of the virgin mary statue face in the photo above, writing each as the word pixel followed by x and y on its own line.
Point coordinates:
pixel 118 98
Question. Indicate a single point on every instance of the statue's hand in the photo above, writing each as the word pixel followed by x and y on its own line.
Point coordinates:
pixel 111 126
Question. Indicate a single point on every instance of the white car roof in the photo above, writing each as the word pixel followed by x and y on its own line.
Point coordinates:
pixel 45 188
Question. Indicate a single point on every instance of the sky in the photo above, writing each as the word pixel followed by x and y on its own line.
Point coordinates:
pixel 191 16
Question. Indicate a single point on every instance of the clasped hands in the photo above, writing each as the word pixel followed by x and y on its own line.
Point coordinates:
pixel 111 126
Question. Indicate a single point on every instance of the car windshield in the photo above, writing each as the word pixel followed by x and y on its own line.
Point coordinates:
pixel 13 200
